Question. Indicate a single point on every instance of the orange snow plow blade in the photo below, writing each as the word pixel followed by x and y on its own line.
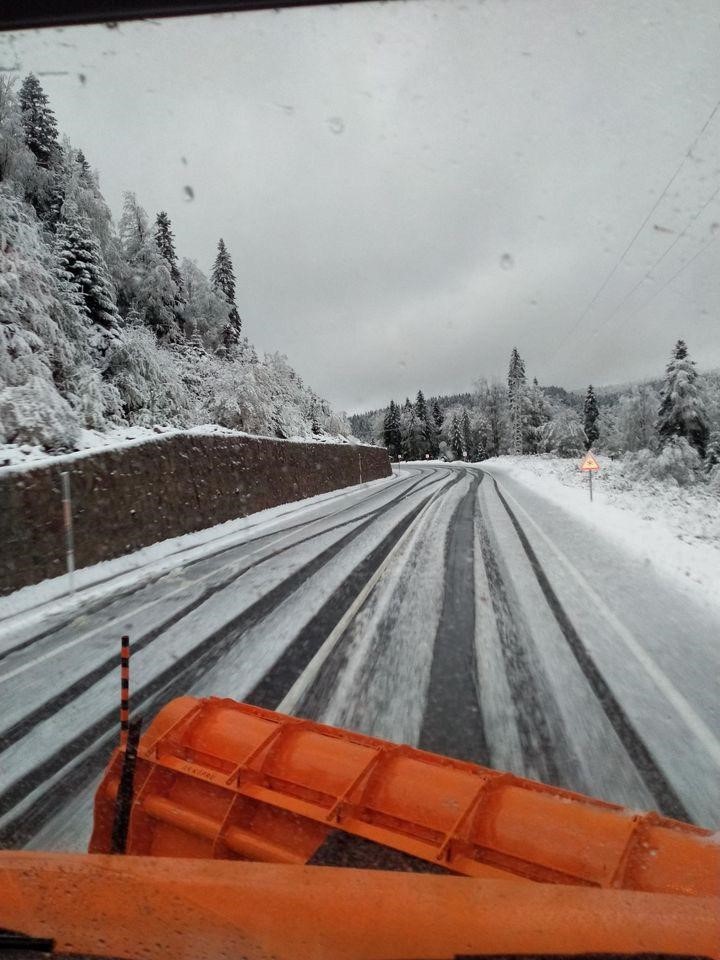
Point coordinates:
pixel 220 779
pixel 162 909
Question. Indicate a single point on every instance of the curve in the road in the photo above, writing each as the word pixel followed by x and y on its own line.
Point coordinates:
pixel 170 682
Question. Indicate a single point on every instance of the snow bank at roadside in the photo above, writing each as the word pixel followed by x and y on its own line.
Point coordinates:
pixel 14 456
pixel 678 528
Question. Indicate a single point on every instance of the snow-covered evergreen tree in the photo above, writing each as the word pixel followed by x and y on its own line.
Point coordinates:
pixel 480 439
pixel 81 263
pixel 87 317
pixel 41 132
pixel 166 245
pixel 146 287
pixel 467 436
pixel 437 415
pixel 204 311
pixel 682 412
pixel 492 403
pixel 392 437
pixel 223 281
pixel 590 417
pixel 429 444
pixel 456 438
pixel 412 436
pixel 516 399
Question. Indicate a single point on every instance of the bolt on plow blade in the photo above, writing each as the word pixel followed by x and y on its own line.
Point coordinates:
pixel 225 780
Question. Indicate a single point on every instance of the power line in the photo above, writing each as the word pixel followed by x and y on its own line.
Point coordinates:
pixel 613 271
pixel 677 273
pixel 655 265
pixel 659 290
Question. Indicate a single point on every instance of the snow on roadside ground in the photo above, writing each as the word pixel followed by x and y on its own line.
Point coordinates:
pixel 25 456
pixel 40 600
pixel 677 528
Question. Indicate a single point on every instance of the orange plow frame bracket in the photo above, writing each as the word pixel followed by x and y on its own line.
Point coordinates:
pixel 220 779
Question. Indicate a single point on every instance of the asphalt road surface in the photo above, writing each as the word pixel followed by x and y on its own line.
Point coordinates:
pixel 441 608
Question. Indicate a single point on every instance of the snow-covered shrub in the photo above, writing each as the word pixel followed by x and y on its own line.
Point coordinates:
pixel 147 380
pixel 714 480
pixel 712 454
pixel 564 435
pixel 35 413
pixel 677 461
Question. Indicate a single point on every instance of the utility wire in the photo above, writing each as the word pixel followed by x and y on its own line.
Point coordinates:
pixel 657 263
pixel 677 273
pixel 613 271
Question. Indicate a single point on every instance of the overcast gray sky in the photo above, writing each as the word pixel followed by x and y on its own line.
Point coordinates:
pixel 409 190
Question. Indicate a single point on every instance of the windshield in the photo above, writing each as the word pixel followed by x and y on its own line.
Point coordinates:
pixel 362 363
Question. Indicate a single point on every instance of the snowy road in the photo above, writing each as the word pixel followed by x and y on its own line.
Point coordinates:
pixel 443 607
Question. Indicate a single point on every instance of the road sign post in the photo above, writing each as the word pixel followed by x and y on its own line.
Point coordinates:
pixel 590 466
pixel 68 526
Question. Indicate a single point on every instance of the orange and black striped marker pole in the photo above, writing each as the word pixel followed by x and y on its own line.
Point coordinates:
pixel 124 690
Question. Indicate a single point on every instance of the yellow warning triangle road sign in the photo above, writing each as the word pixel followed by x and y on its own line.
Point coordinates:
pixel 590 463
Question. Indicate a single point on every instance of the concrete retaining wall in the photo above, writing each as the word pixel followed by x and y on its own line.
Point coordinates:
pixel 131 497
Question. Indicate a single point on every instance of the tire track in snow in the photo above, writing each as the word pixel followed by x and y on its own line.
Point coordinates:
pixel 453 721
pixel 171 682
pixel 96 607
pixel 539 729
pixel 375 678
pixel 49 707
pixel 667 799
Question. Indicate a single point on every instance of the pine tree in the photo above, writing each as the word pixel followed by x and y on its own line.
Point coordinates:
pixel 516 399
pixel 429 442
pixel 146 286
pixel 456 440
pixel 493 405
pixel 480 441
pixel 591 414
pixel 41 133
pixel 411 432
pixel 82 265
pixel 83 164
pixel 421 406
pixel 223 280
pixel 166 245
pixel 437 416
pixel 391 430
pixel 467 435
pixel 682 413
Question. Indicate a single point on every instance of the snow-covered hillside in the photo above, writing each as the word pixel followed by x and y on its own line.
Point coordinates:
pixel 102 328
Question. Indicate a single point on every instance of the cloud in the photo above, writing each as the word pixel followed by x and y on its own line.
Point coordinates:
pixel 409 190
